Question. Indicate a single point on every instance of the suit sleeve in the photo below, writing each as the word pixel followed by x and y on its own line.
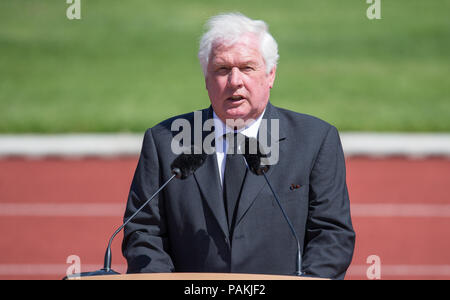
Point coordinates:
pixel 145 243
pixel 330 238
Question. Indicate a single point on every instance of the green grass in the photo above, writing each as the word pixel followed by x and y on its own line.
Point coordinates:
pixel 127 65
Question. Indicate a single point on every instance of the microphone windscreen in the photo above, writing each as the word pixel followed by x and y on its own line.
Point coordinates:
pixel 187 162
pixel 253 152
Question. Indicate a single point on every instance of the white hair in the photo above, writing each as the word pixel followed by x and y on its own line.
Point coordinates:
pixel 228 28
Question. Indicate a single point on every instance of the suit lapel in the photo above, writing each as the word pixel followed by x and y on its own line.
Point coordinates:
pixel 208 180
pixel 253 184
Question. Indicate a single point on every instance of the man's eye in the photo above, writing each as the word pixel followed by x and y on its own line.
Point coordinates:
pixel 222 70
pixel 247 69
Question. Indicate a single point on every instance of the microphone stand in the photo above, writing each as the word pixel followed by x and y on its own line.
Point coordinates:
pixel 298 265
pixel 254 165
pixel 108 258
pixel 106 270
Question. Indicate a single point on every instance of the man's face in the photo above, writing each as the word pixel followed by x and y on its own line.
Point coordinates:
pixel 236 80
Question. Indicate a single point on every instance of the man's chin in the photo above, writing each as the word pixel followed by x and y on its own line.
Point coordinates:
pixel 236 114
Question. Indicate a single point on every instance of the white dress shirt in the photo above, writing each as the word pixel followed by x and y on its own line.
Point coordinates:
pixel 220 129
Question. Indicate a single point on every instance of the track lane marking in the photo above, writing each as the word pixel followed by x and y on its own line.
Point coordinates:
pixel 400 210
pixel 62 210
pixel 117 210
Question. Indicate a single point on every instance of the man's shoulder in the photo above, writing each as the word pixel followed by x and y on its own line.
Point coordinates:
pixel 307 132
pixel 166 126
pixel 295 121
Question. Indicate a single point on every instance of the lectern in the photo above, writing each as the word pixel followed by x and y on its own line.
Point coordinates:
pixel 195 276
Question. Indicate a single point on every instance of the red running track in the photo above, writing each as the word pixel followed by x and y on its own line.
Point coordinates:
pixel 53 208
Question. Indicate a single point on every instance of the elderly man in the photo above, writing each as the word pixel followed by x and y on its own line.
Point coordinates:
pixel 224 218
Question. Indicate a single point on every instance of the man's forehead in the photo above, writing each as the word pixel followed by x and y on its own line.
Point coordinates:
pixel 223 58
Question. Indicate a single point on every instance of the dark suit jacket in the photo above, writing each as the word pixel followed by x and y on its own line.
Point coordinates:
pixel 185 228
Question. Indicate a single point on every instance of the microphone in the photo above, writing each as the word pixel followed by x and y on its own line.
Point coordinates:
pixel 253 152
pixel 186 163
pixel 182 167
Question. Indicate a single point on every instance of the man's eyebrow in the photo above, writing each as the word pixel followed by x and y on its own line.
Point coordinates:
pixel 221 63
pixel 249 63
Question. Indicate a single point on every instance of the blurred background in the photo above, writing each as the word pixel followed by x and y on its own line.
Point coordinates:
pixel 127 65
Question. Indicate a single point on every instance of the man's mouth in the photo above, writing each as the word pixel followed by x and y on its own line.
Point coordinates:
pixel 235 98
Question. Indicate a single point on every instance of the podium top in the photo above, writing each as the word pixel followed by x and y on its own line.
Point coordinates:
pixel 195 276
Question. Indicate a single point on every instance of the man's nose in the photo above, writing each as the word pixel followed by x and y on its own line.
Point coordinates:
pixel 235 78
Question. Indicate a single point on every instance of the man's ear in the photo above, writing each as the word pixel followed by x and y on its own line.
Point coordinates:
pixel 206 82
pixel 271 76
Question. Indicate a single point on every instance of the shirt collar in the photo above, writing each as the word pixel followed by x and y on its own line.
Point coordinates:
pixel 250 130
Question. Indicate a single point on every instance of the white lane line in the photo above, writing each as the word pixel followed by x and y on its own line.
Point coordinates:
pixel 49 269
pixel 354 143
pixel 401 143
pixel 400 210
pixel 62 210
pixel 117 210
pixel 37 145
pixel 402 270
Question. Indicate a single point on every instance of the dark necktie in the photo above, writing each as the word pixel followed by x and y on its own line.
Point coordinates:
pixel 234 175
